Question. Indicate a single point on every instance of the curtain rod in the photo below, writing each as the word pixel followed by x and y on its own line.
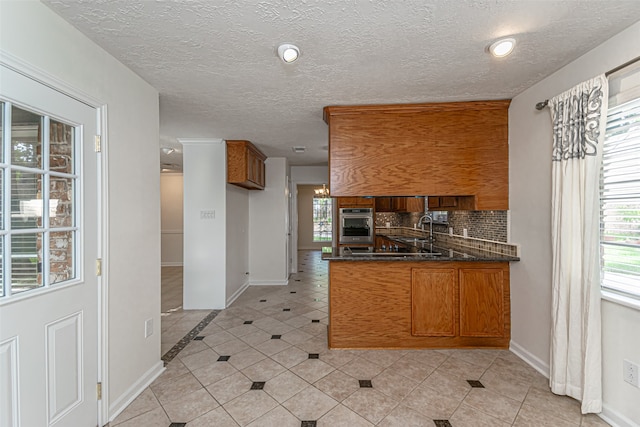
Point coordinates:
pixel 542 104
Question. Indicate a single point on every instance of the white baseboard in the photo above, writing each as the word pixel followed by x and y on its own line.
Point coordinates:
pixel 534 361
pixel 616 419
pixel 237 293
pixel 171 264
pixel 121 403
pixel 269 282
pixel 609 415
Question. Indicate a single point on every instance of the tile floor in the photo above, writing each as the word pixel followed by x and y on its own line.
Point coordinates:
pixel 264 362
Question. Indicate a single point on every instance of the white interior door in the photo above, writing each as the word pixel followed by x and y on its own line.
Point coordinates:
pixel 49 246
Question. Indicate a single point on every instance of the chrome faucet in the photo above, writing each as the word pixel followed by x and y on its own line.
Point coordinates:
pixel 428 217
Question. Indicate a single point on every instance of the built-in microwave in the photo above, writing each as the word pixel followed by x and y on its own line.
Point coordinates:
pixel 356 225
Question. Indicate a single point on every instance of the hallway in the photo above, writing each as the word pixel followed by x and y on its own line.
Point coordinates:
pixel 264 362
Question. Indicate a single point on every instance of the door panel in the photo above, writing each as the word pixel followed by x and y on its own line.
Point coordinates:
pixel 49 304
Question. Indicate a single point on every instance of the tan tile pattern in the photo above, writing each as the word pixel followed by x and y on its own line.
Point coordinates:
pixel 410 388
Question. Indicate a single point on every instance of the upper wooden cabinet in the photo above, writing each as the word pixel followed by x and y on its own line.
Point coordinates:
pixel 400 204
pixel 245 165
pixel 444 149
pixel 452 203
pixel 355 202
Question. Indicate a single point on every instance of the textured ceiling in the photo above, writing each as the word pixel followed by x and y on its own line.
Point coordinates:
pixel 215 66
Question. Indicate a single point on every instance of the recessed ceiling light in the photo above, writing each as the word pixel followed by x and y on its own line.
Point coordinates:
pixel 299 150
pixel 288 52
pixel 503 47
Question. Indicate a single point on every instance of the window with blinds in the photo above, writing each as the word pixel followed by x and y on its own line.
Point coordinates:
pixel 620 188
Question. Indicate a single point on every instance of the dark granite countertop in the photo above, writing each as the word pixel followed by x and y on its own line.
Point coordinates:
pixel 414 249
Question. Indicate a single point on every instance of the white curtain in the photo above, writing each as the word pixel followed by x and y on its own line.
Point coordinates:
pixel 579 122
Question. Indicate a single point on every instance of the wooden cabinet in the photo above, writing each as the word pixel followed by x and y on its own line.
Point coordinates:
pixel 384 204
pixel 464 302
pixel 412 304
pixel 445 149
pixel 481 302
pixel 433 302
pixel 399 204
pixel 451 203
pixel 245 165
pixel 355 202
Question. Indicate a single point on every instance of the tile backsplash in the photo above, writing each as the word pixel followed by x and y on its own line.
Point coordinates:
pixel 485 225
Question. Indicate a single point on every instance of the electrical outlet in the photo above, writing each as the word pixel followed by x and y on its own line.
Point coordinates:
pixel 630 372
pixel 148 328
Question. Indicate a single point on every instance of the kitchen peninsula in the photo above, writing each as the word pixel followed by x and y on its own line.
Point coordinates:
pixel 407 291
pixel 418 296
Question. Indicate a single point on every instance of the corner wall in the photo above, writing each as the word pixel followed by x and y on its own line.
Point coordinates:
pixel 268 219
pixel 237 255
pixel 205 187
pixel 530 141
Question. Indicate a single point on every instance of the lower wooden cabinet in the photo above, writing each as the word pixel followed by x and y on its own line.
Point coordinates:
pixel 465 302
pixel 430 304
pixel 482 311
pixel 433 302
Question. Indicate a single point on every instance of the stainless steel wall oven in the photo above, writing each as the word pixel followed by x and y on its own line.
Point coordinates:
pixel 356 225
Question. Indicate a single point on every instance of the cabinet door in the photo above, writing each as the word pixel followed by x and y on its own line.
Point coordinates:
pixel 347 202
pixel 383 204
pixel 448 202
pixel 433 302
pixel 482 310
pixel 415 204
pixel 366 202
pixel 355 202
pixel 399 204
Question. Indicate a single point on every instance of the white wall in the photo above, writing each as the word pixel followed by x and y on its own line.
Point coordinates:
pixel 171 219
pixel 310 174
pixel 269 211
pixel 33 33
pixel 237 256
pixel 530 201
pixel 204 276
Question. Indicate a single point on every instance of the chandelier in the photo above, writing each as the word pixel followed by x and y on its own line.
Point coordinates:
pixel 321 193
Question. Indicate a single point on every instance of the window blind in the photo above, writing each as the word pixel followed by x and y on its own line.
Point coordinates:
pixel 620 199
